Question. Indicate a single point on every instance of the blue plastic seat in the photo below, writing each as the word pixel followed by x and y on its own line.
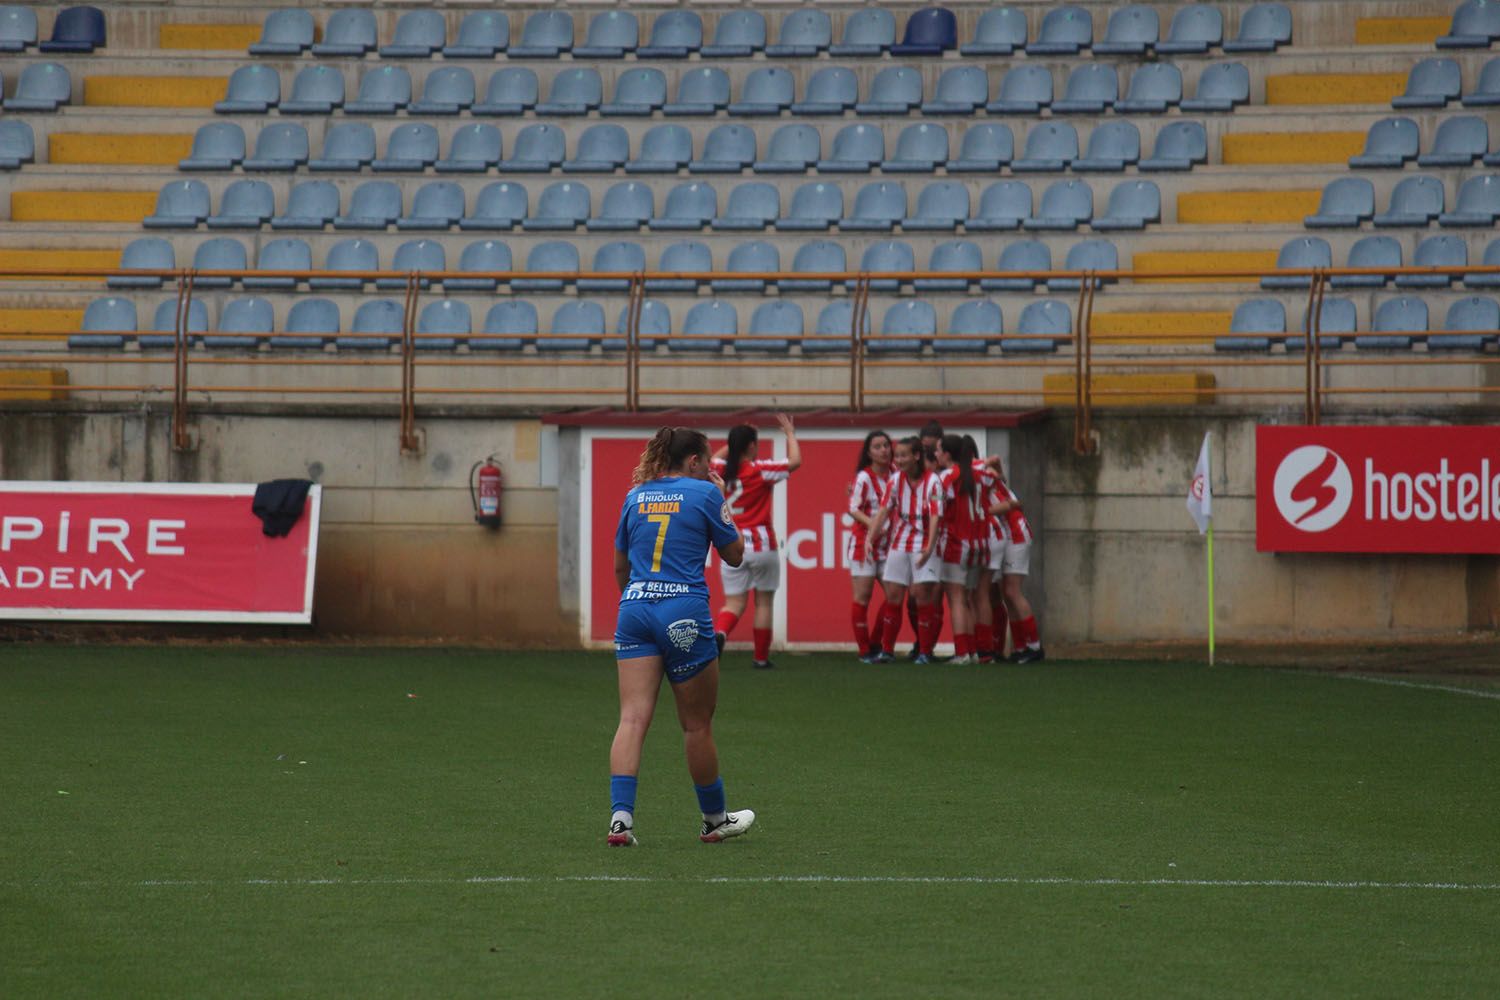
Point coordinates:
pixel 818 257
pixel 216 146
pixel 1050 147
pixel 890 256
pixel 753 257
pixel 481 34
pixel 930 31
pixel 896 90
pixel 179 205
pixel 42 87
pixel 804 33
pixel 942 206
pixel 575 326
pixel 1478 203
pixel 1263 28
pixel 870 31
pixel 311 324
pixel 985 148
pixel 1370 251
pixel 960 91
pixel 285 33
pixel 347 33
pixel 834 330
pixel 316 90
pixel 547 34
pixel 538 149
pixel 1390 143
pixel 920 149
pixel 508 326
pixel 253 90
pixel 499 206
pixel 348 255
pixel 279 148
pixel 1299 253
pixel 1065 205
pixel 561 207
pixel 974 325
pixel 474 149
pixel 419 34
pixel 728 149
pixel 1196 28
pixel 1003 205
pixel 410 149
pixel 639 93
pixel 906 326
pixel 688 207
pixel 163 335
pixel 574 92
pixel 653 326
pixel 878 207
pixel 437 206
pixel 1132 205
pixel 685 257
pixel 707 326
pixel 76 29
pixel 793 149
pixel 611 35
pixel 1092 89
pixel 107 322
pixel 773 327
pixel 1024 90
pixel 1130 31
pixel 857 149
pixel 1472 323
pixel 347 146
pixel 510 93
pixel 1337 324
pixel 1154 88
pixel 815 207
pixel 1346 202
pixel 737 35
pixel 373 205
pixel 377 325
pixel 1476 23
pixel 1490 258
pixel 1415 202
pixel 767 93
pixel 148 253
pixel 1065 32
pixel 447 91
pixel 700 92
pixel 478 257
pixel 1486 92
pixel 624 258
pixel 311 205
pixel 442 325
pixel 1178 146
pixel 675 34
pixel 553 257
pixel 286 254
pixel 1222 87
pixel 244 205
pixel 752 206
pixel 17 29
pixel 1435 251
pixel 382 91
pixel 627 206
pixel 1019 256
pixel 832 90
pixel 1460 141
pixel 244 324
pixel 954 255
pixel 601 149
pixel 999 32
pixel 1112 147
pixel 1256 325
pixel 1431 84
pixel 17 144
pixel 664 149
pixel 221 254
pixel 1397 324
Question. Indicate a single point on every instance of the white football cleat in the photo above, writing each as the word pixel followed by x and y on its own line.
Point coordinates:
pixel 620 835
pixel 734 824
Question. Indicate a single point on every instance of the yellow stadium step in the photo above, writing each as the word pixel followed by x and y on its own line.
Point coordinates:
pixel 129 149
pixel 1246 207
pixel 56 258
pixel 33 383
pixel 18 323
pixel 81 206
pixel 1132 389
pixel 1334 88
pixel 1400 30
pixel 208 37
pixel 1158 327
pixel 1291 147
pixel 154 91
pixel 1160 262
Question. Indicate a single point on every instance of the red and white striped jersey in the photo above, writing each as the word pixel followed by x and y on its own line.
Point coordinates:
pixel 1015 519
pixel 750 500
pixel 963 521
pixel 998 530
pixel 910 504
pixel 866 497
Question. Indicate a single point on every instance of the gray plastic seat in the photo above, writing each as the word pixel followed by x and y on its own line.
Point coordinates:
pixel 793 149
pixel 499 206
pixel 640 92
pixel 107 322
pixel 575 326
pixel 869 31
pixel 311 324
pixel 653 325
pixel 1432 83
pixel 767 92
pixel 675 34
pixel 1490 258
pixel 373 205
pixel 410 149
pixel 707 326
pixel 985 148
pixel 1346 202
pixel 621 257
pixel 216 146
pixel 857 149
pixel 834 329
pixel 382 91
pixel 282 147
pixel 818 257
pixel 1478 203
pixel 1132 205
pixel 685 257
pixel 1471 323
pixel 538 149
pixel 1024 90
pixel 1222 87
pixel 1019 256
pixel 627 207
pixel 179 205
pixel 1003 205
pixel 1435 251
pixel 999 32
pixel 1256 325
pixel 688 207
pixel 961 90
pixel 148 253
pixel 316 90
pixel 832 90
pixel 664 149
pixel 1130 31
pixel 347 146
pixel 1195 28
pixel 1263 28
pixel 347 33
pixel 1390 143
pixel 1415 202
pixel 930 31
pixel 163 335
pixel 920 149
pixel 286 254
pixel 601 149
pixel 561 207
pixel 1486 92
pixel 1050 147
pixel 547 34
pixel 419 33
pixel 700 92
pixel 377 324
pixel 348 255
pixel 1065 205
pixel 284 33
pixel 906 326
pixel 804 33
pixel 244 324
pixel 728 149
pixel 1112 147
pixel 1154 88
pixel 510 93
pixel 474 149
pixel 737 35
pixel 554 257
pixel 1475 24
pixel 752 206
pixel 773 327
pixel 1370 251
pixel 17 144
pixel 1092 89
pixel 1065 31
pixel 611 34
pixel 1178 146
pixel 253 90
pixel 311 205
pixel 1337 324
pixel 221 254
pixel 442 325
pixel 446 91
pixel 42 87
pixel 1299 253
pixel 814 208
pixel 481 34
pixel 896 90
pixel 508 326
pixel 244 205
pixel 754 257
pixel 437 206
pixel 878 207
pixel 574 92
pixel 1396 325
pixel 1460 141
pixel 954 255
pixel 886 257
pixel 480 256
pixel 974 325
pixel 942 206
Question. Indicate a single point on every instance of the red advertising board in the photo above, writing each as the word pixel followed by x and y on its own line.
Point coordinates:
pixel 151 552
pixel 1377 489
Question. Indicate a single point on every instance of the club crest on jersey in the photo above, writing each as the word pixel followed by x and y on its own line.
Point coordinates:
pixel 725 514
pixel 683 633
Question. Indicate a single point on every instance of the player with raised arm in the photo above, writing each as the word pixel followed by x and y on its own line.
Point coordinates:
pixel 1014 566
pixel 909 566
pixel 866 553
pixel 675 511
pixel 961 500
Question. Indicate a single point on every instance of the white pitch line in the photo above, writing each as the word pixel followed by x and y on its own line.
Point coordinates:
pixel 1449 688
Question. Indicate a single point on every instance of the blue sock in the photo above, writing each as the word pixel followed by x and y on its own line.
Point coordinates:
pixel 622 791
pixel 711 798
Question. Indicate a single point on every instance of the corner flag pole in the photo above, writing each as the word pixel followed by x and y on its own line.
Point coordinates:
pixel 1210 591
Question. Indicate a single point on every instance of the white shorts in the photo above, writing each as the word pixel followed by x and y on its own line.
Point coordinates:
pixel 870 565
pixel 901 569
pixel 1017 559
pixel 759 571
pixel 997 555
pixel 959 573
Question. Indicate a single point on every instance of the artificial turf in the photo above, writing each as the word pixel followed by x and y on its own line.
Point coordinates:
pixel 316 821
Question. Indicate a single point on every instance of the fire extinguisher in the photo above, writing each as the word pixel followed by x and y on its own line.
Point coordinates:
pixel 486 482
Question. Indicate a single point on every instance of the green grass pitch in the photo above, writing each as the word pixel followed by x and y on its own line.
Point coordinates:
pixel 324 821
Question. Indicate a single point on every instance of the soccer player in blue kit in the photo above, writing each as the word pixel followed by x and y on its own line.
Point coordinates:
pixel 674 511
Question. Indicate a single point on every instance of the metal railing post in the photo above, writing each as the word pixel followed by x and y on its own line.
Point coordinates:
pixel 1083 365
pixel 409 441
pixel 182 440
pixel 860 312
pixel 1313 360
pixel 633 342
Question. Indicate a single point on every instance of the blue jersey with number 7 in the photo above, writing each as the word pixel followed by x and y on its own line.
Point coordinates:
pixel 666 527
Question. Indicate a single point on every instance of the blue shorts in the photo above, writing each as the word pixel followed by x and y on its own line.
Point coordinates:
pixel 678 629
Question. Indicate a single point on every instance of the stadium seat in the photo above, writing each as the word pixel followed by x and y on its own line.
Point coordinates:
pixel 382 91
pixel 547 34
pixel 410 149
pixel 1019 256
pixel 1415 202
pixel 148 253
pixel 1024 90
pixel 1369 252
pixel 42 87
pixel 347 146
pixel 1003 205
pixel 984 149
pixel 179 205
pixel 896 90
pixel 684 257
pixel 347 255
pixel 1130 31
pixel 1195 29
pixel 377 325
pixel 832 90
pixel 419 34
pixel 1263 28
pixel 1337 324
pixel 835 326
pixel 867 32
pixel 1065 205
pixel 752 206
pixel 754 257
pixel 738 35
pixel 601 149
pixel 857 149
pixel 1491 258
pixel 510 93
pixel 793 149
pixel 108 322
pixel 76 29
pixel 804 33
pixel 245 204
pixel 447 90
pixel 279 148
pixel 574 92
pixel 1478 203
pixel 1460 141
pixel 437 206
pixel 1221 87
pixel 311 324
pixel 1431 84
pixel 626 207
pixel 558 256
pixel 727 149
pixel 1486 92
pixel 1154 88
pixel 767 92
pixel 664 149
pixel 1435 251
pixel 1471 323
pixel 1255 326
pixel 1041 326
pixel 373 205
pixel 561 207
pixel 1390 143
pixel 954 255
pixel 906 326
pixel 481 34
pixel 1132 205
pixel 442 325
pixel 478 257
pixel 1346 202
pixel 499 206
pixel 960 91
pixel 1396 326
pixel 1000 31
pixel 17 29
pixel 773 327
pixel 216 146
pixel 930 31
pixel 611 35
pixel 707 326
pixel 974 325
pixel 1088 255
pixel 285 33
pixel 17 144
pixel 639 93
pixel 675 34
pixel 1298 253
pixel 1092 89
pixel 815 207
pixel 688 207
pixel 316 90
pixel 243 324
pixel 920 149
pixel 878 207
pixel 1065 31
pixel 538 149
pixel 223 253
pixel 622 257
pixel 1476 23
pixel 653 325
pixel 700 92
pixel 1113 146
pixel 164 325
pixel 286 254
pixel 347 33
pixel 474 149
pixel 1178 146
pixel 575 327
pixel 888 256
pixel 508 326
pixel 819 257
pixel 1050 147
pixel 252 90
pixel 311 205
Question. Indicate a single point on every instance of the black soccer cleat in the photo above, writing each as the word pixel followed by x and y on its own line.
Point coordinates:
pixel 1031 654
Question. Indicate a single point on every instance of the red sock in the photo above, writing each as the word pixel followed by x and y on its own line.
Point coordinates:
pixel 913 615
pixel 725 621
pixel 1033 637
pixel 1002 622
pixel 984 640
pixel 859 618
pixel 1018 634
pixel 926 630
pixel 937 619
pixel 762 645
pixel 890 626
pixel 963 643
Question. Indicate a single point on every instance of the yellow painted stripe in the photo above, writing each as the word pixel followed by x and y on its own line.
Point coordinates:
pixel 154 91
pixel 42 383
pixel 19 322
pixel 1291 147
pixel 215 37
pixel 119 148
pixel 56 258
pixel 1158 327
pixel 1399 30
pixel 1152 262
pixel 1133 388
pixel 81 206
pixel 1334 88
pixel 1246 207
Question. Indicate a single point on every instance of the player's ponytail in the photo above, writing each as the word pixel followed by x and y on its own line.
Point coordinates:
pixel 668 449
pixel 742 438
pixel 962 455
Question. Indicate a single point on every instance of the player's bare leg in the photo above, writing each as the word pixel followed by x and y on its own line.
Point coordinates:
pixel 866 638
pixel 963 621
pixel 765 614
pixel 640 679
pixel 696 700
pixel 1024 636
